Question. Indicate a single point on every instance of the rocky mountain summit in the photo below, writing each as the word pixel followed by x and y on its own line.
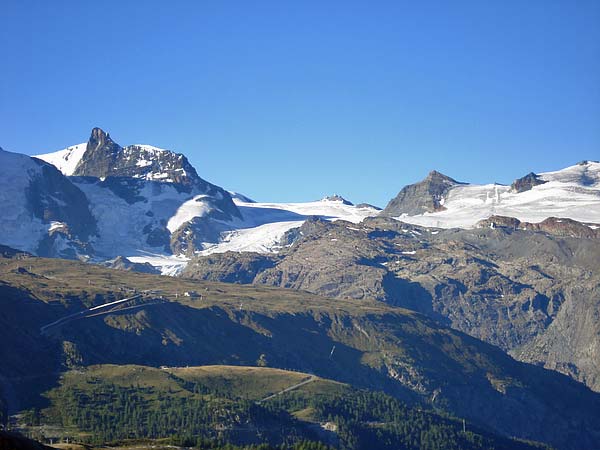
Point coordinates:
pixel 425 196
pixel 144 199
pixel 104 158
pixel 439 201
pixel 526 183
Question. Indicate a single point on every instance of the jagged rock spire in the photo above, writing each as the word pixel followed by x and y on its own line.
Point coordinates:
pixel 99 138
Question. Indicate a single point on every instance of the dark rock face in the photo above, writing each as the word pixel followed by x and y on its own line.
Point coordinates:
pixel 9 252
pixel 555 226
pixel 418 198
pixel 52 197
pixel 104 158
pixel 158 236
pixel 526 183
pixel 60 243
pixel 230 267
pixel 100 157
pixel 521 290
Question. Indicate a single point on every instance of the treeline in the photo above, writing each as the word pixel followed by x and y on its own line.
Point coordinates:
pixel 110 413
pixel 367 420
pixel 197 417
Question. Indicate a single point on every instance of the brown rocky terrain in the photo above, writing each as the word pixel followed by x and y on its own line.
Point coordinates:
pixel 532 293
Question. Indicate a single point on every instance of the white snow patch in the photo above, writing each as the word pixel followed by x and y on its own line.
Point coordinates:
pixel 151 149
pixel 261 239
pixel 55 225
pixel 65 160
pixel 196 207
pixel 143 163
pixel 264 224
pixel 167 264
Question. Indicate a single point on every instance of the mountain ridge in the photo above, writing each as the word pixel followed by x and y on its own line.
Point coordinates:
pixel 376 346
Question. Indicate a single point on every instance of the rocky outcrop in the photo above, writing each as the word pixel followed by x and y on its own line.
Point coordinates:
pixel 52 197
pixel 368 205
pixel 101 156
pixel 422 197
pixel 555 226
pixel 194 234
pixel 9 252
pixel 229 267
pixel 526 183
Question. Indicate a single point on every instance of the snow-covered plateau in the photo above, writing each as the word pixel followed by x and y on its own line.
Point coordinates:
pixel 573 192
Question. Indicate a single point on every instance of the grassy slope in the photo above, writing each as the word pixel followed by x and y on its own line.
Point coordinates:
pixel 376 345
pixel 232 383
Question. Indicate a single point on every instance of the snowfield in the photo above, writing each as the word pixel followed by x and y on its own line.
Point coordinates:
pixel 196 207
pixel 261 229
pixel 65 160
pixel 264 224
pixel 121 224
pixel 19 228
pixel 572 193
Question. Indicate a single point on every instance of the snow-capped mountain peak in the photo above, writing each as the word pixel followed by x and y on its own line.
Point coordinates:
pixel 102 157
pixel 145 198
pixel 572 192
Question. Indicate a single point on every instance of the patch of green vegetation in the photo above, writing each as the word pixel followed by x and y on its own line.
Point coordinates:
pixel 215 406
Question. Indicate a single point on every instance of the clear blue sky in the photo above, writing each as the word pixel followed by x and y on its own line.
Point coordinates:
pixel 291 100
